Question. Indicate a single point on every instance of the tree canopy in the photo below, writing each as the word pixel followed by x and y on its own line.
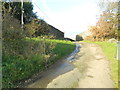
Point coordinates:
pixel 107 25
pixel 15 9
pixel 36 28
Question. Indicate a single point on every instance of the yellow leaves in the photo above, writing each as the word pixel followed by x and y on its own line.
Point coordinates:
pixel 105 27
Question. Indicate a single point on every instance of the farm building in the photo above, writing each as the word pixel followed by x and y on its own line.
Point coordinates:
pixel 55 32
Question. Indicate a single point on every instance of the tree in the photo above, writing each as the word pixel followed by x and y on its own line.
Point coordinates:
pixel 110 11
pixel 15 9
pixel 11 28
pixel 36 28
pixel 107 25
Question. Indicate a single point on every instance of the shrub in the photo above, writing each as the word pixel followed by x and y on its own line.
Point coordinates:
pixel 11 28
pixel 36 28
pixel 23 57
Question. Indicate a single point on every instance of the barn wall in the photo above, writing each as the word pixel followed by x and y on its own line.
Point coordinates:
pixel 79 38
pixel 57 33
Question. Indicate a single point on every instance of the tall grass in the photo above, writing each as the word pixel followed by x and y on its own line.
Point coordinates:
pixel 22 59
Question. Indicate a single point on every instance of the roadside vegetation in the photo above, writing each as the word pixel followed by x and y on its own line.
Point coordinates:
pixel 32 56
pixel 28 50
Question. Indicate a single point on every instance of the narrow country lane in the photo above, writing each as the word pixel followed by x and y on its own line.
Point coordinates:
pixel 87 68
pixel 98 72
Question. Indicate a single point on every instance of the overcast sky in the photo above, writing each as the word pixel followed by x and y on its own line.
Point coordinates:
pixel 70 16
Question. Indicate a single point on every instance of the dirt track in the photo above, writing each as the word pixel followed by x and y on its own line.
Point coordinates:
pixel 97 73
pixel 91 70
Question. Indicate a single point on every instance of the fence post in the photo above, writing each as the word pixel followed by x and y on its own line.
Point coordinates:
pixel 118 50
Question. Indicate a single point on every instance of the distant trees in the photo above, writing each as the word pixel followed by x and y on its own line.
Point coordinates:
pixel 107 25
pixel 104 29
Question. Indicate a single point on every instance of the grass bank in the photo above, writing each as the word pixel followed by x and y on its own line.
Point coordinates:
pixel 23 58
pixel 110 50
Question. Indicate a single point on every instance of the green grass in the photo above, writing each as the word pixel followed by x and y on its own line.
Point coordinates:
pixel 27 61
pixel 62 47
pixel 110 50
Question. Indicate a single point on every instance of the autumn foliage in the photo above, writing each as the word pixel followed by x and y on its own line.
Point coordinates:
pixel 107 25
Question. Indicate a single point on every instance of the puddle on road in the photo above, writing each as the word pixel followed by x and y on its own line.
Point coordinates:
pixel 59 69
